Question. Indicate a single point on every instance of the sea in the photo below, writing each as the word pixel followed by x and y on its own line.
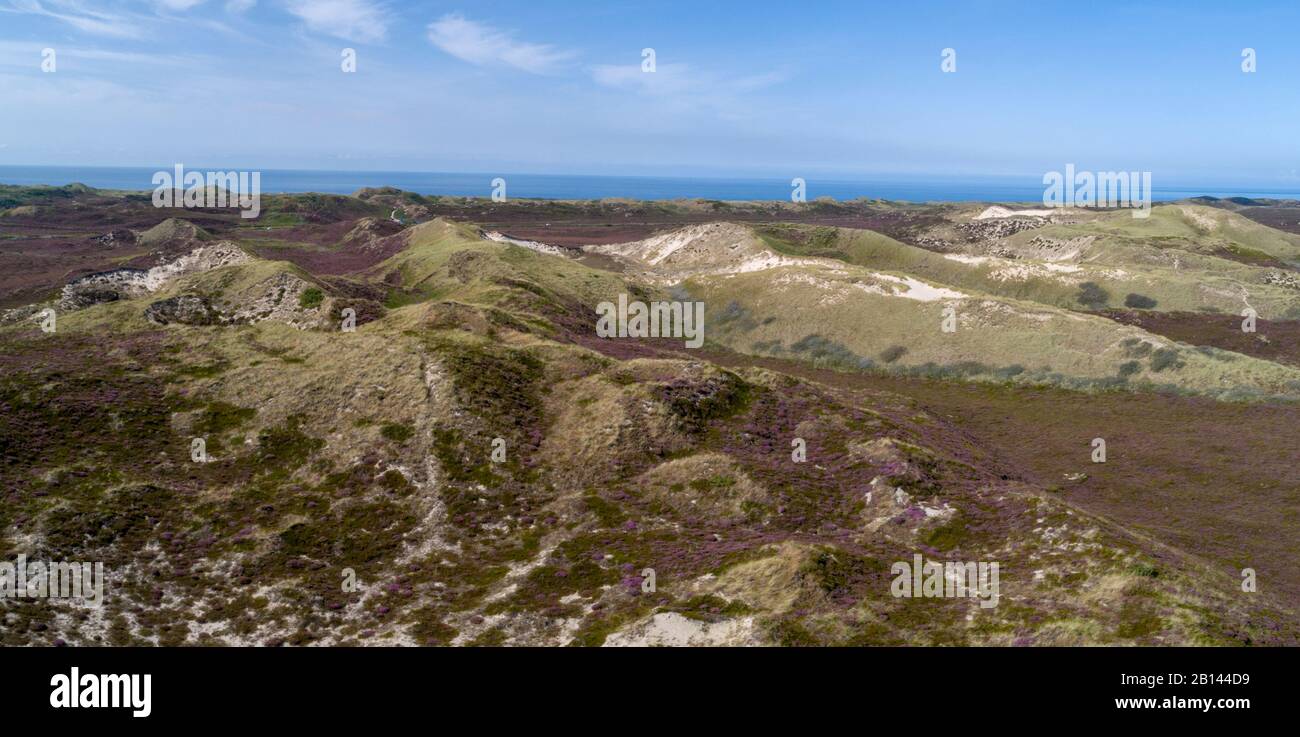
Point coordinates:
pixel 584 187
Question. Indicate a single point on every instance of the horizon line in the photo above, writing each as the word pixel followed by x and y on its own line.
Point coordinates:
pixel 872 178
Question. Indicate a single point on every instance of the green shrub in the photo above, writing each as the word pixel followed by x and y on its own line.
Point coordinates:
pixel 1139 302
pixel 220 417
pixel 311 297
pixel 1146 570
pixel 1165 358
pixel 1091 295
pixel 396 433
pixel 825 352
pixel 1007 372
pixel 1135 347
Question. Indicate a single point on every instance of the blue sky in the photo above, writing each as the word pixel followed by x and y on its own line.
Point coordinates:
pixel 755 88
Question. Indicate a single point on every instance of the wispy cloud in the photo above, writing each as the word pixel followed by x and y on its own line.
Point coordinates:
pixel 178 4
pixel 240 6
pixel 679 81
pixel 27 53
pixel 354 20
pixel 667 79
pixel 20 53
pixel 484 45
pixel 77 15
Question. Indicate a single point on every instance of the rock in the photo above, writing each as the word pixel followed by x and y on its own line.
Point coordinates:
pixel 110 286
pixel 999 229
pixel 185 310
pixel 1282 279
pixel 279 298
pixel 105 286
pixel 114 238
pixel 20 314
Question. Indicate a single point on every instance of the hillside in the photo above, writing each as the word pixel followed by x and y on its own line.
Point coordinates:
pixel 333 455
pixel 860 300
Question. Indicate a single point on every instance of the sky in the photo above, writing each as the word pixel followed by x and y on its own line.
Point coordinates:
pixel 754 88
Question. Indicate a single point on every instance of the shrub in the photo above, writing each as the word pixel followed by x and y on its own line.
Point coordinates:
pixel 1007 372
pixel 1146 570
pixel 1139 302
pixel 220 417
pixel 823 351
pixel 395 432
pixel 311 297
pixel 1135 347
pixel 1164 358
pixel 1129 368
pixel 1092 295
pixel 892 353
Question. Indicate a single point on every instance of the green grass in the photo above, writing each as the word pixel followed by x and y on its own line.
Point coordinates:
pixel 396 432
pixel 310 298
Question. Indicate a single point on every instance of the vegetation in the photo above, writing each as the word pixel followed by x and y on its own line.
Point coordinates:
pixel 1139 302
pixel 1092 296
pixel 372 454
pixel 311 298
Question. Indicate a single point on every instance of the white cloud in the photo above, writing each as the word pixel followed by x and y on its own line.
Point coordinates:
pixel 666 79
pixel 355 20
pixel 178 4
pixel 240 6
pixel 484 45
pixel 19 53
pixel 676 79
pixel 77 15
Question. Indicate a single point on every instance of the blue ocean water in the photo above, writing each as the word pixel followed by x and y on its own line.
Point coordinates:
pixel 583 187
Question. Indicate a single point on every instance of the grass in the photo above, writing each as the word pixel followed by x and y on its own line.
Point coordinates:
pixel 1119 258
pixel 450 261
pixel 996 339
pixel 396 432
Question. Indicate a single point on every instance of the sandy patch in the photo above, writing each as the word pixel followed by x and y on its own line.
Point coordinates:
pixel 670 629
pixel 919 290
pixel 1199 219
pixel 530 245
pixel 998 211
